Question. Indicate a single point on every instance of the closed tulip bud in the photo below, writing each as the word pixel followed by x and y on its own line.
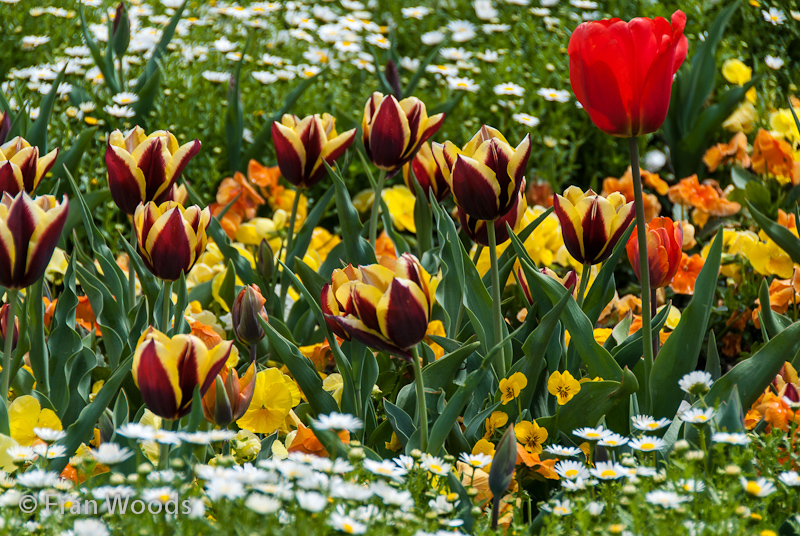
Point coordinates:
pixel 29 232
pixel 121 30
pixel 621 72
pixel 265 261
pixel 247 308
pixel 4 324
pixel 393 131
pixel 144 168
pixel 486 175
pixel 106 425
pixel 167 370
pixel 302 145
pixel 383 308
pixel 502 471
pixel 592 224
pixel 170 237
pixel 569 281
pixel 428 173
pixel 791 395
pixel 664 243
pixel 476 229
pixel 229 397
pixel 21 168
pixel 178 194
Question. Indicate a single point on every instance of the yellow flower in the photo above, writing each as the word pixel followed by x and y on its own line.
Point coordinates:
pixel 769 259
pixel 483 447
pixel 252 232
pixel 245 446
pixel 531 436
pixel 394 443
pixel 435 327
pixel 24 414
pixel 6 461
pixel 783 123
pixel 741 120
pixel 736 72
pixel 601 335
pixel 511 387
pixel 275 395
pixel 400 202
pixel 284 201
pixel 322 241
pixel 673 317
pixel 57 267
pixel 496 420
pixel 563 386
pixel 334 385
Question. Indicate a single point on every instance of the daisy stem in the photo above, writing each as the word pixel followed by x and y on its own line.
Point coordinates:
pixel 586 274
pixel 422 408
pixel 376 208
pixel 166 302
pixel 11 293
pixel 644 270
pixel 289 240
pixel 500 362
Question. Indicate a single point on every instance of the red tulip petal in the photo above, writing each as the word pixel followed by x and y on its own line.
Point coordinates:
pixel 153 379
pixel 403 313
pixel 388 134
pixel 170 246
pixel 125 179
pixel 475 188
pixel 11 178
pixel 359 331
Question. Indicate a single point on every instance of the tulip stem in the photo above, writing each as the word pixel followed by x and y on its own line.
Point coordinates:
pixel 497 296
pixel 475 258
pixel 422 407
pixel 376 208
pixel 163 453
pixel 653 312
pixel 167 301
pixel 131 272
pixel 644 267
pixel 289 239
pixel 11 293
pixel 586 274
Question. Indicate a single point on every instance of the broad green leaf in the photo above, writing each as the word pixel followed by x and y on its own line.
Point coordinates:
pixel 71 159
pixel 595 300
pixel 401 422
pixel 38 354
pixel 712 357
pixel 773 322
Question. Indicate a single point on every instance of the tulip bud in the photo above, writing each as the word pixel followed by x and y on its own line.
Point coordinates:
pixel 791 394
pixel 121 30
pixel 393 77
pixel 247 308
pixel 4 324
pixel 229 396
pixel 664 245
pixel 223 414
pixel 266 260
pixel 21 167
pixel 502 471
pixel 106 425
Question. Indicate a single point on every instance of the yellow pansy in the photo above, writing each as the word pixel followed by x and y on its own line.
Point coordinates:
pixel 400 202
pixel 563 386
pixel 483 446
pixel 769 259
pixel 393 444
pixel 782 123
pixel 6 461
pixel 57 267
pixel 284 202
pixel 323 241
pixel 495 421
pixel 741 120
pixel 601 335
pixel 252 232
pixel 531 436
pixel 334 385
pixel 511 387
pixel 24 414
pixel 275 395
pixel 435 327
pixel 736 72
pixel 245 446
pixel 673 317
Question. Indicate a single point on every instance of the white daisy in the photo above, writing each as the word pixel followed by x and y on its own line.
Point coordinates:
pixel 415 12
pixel 463 30
pixel 509 88
pixel 559 450
pixel 613 440
pixel 346 524
pixel 432 38
pixel 48 435
pixel 216 77
pixel 262 504
pixel 553 95
pixel 384 468
pixel 595 508
pixel 697 415
pixel 774 16
pixel 666 499
pixel 526 119
pixel 773 62
pixel 790 478
pixel 111 454
pixel 691 485
pixel 647 444
pixel 37 479
pixel 571 470
pixel 608 471
pixel 649 424
pixel 731 439
pixel 435 465
pixel 697 382
pixel 560 508
pixel 759 488
pixel 311 501
pixel 462 84
pixel 338 421
pixel 591 434
pixel 479 461
pixel 444 70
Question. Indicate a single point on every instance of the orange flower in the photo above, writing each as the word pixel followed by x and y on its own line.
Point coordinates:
pixel 540 193
pixel 787 220
pixel 774 410
pixel 384 247
pixel 624 185
pixel 771 155
pixel 206 334
pixel 84 316
pixel 622 305
pixel 724 153
pixel 686 276
pixel 245 206
pixel 782 293
pixel 706 197
pixel 306 442
pixel 320 354
pixel 543 467
pixel 265 178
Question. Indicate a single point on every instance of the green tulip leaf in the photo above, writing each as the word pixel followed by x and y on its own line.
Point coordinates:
pixel 778 233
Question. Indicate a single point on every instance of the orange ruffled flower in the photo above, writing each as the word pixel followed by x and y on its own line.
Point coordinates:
pixel 384 247
pixel 686 276
pixel 787 220
pixel 206 334
pixel 624 185
pixel 724 153
pixel 782 293
pixel 773 409
pixel 543 467
pixel 266 178
pixel 707 199
pixel 774 156
pixel 306 442
pixel 84 315
pixel 540 193
pixel 244 208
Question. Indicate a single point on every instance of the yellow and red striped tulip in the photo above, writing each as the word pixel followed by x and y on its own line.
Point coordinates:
pixel 393 131
pixel 247 308
pixel 29 232
pixel 570 281
pixel 144 168
pixel 664 244
pixel 486 175
pixel 229 396
pixel 301 146
pixel 170 237
pixel 476 229
pixel 20 166
pixel 592 224
pixel 167 370
pixel 428 173
pixel 385 307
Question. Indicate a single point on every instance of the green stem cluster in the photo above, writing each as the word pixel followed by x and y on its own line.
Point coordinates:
pixel 376 208
pixel 289 240
pixel 422 406
pixel 9 342
pixel 497 296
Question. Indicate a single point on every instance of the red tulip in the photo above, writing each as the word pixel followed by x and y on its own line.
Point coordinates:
pixel 664 242
pixel 621 72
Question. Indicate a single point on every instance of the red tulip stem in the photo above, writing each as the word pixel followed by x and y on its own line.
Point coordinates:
pixel 497 296
pixel 586 274
pixel 644 268
pixel 11 293
pixel 289 240
pixel 376 208
pixel 422 406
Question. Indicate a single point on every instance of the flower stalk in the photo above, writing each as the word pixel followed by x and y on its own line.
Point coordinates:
pixel 167 301
pixel 422 407
pixel 500 362
pixel 289 240
pixel 376 208
pixel 9 343
pixel 586 273
pixel 644 268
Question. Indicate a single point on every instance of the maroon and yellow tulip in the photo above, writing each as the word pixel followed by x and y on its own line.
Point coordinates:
pixel 476 229
pixel 570 281
pixel 486 175
pixel 20 166
pixel 29 232
pixel 428 173
pixel 144 168
pixel 167 370
pixel 302 145
pixel 385 307
pixel 393 131
pixel 170 237
pixel 229 396
pixel 247 307
pixel 592 224
pixel 664 244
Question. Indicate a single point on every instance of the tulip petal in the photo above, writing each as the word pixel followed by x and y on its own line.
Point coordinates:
pixel 125 180
pixel 178 162
pixel 475 188
pixel 152 157
pixel 389 134
pixel 312 135
pixel 43 241
pixel 332 150
pixel 366 299
pixel 214 362
pixel 290 153
pixel 11 180
pixel 156 375
pixel 170 245
pixel 356 329
pixel 403 313
pixel 571 226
